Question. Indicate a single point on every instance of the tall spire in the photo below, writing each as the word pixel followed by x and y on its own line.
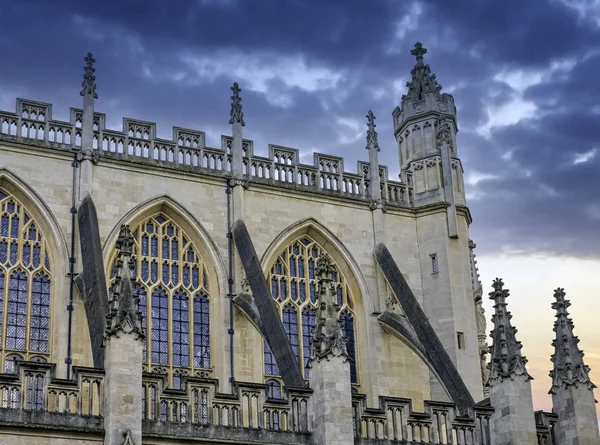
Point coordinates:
pixel 506 361
pixel 569 369
pixel 236 106
pixel 422 80
pixel 89 79
pixel 328 337
pixel 124 315
pixel 372 141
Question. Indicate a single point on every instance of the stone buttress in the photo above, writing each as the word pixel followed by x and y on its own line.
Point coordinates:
pixel 123 357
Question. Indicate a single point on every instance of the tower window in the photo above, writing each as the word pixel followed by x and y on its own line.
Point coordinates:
pixel 434 263
pixel 460 338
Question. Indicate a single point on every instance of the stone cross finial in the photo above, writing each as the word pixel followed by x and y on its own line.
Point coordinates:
pixel 124 315
pixel 89 79
pixel 328 337
pixel 506 359
pixel 236 106
pixel 372 141
pixel 569 368
pixel 419 51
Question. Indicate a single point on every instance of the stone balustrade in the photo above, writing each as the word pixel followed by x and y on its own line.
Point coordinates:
pixel 395 422
pixel 32 124
pixel 35 387
pixel 201 403
pixel 545 424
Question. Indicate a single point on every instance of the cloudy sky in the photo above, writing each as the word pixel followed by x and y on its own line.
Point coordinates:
pixel 523 74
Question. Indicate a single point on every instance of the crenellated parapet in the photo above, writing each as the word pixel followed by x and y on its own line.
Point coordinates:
pixel 137 142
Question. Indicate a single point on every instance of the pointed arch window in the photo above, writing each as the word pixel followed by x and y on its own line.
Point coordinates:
pixel 25 286
pixel 293 284
pixel 172 282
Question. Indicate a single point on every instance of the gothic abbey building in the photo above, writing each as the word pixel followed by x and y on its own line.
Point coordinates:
pixel 165 292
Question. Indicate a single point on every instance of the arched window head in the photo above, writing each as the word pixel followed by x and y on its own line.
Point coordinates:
pixel 173 285
pixel 293 282
pixel 25 286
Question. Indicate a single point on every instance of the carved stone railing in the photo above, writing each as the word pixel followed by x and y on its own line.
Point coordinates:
pixel 545 424
pixel 201 403
pixel 35 387
pixel 439 423
pixel 32 124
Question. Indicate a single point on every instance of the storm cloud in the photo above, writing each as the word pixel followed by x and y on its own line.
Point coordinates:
pixel 523 75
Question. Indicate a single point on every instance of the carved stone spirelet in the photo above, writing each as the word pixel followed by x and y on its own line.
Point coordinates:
pixel 422 80
pixel 236 106
pixel 328 336
pixel 569 368
pixel 89 79
pixel 444 132
pixel 372 141
pixel 506 361
pixel 124 316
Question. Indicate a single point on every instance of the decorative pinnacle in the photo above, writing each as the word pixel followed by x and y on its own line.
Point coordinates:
pixel 89 79
pixel 569 368
pixel 328 337
pixel 506 361
pixel 124 316
pixel 419 51
pixel 372 141
pixel 325 268
pixel 124 241
pixel 236 106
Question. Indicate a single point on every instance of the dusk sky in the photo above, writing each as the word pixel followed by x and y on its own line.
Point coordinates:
pixel 524 75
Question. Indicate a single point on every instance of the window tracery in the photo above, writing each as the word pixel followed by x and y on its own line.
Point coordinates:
pixel 293 284
pixel 25 287
pixel 172 283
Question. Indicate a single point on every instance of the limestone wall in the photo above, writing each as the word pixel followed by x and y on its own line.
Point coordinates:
pixel 125 192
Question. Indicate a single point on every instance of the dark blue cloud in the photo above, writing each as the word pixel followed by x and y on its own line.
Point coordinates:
pixel 522 73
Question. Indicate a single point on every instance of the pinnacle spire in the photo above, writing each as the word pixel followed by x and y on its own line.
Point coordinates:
pixel 422 80
pixel 569 368
pixel 419 51
pixel 124 315
pixel 89 79
pixel 506 359
pixel 236 106
pixel 372 141
pixel 328 337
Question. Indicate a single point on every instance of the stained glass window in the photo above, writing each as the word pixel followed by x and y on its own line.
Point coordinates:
pixel 172 283
pixel 294 289
pixel 25 286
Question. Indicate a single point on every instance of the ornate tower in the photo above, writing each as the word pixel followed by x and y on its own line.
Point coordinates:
pixel 425 128
pixel 510 389
pixel 572 390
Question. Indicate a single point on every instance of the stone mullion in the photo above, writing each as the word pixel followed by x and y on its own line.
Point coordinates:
pixel 4 320
pixel 28 307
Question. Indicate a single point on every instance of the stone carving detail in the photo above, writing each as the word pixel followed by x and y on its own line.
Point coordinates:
pixel 124 315
pixel 479 315
pixel 444 133
pixel 89 79
pixel 245 285
pixel 506 361
pixel 372 141
pixel 127 440
pixel 569 368
pixel 236 106
pixel 422 80
pixel 88 155
pixel 378 204
pixel 328 337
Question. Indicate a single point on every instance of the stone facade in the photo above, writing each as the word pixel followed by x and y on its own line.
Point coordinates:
pixel 221 263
